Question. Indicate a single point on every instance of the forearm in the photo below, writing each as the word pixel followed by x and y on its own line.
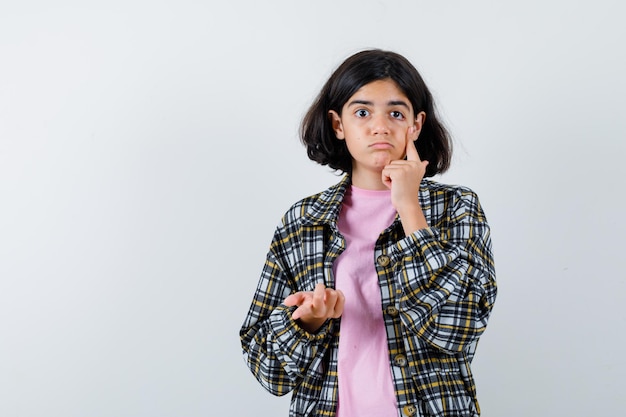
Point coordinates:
pixel 447 291
pixel 279 352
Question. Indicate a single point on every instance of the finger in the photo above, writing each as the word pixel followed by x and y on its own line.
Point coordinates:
pixel 294 299
pixel 386 177
pixel 341 301
pixel 299 312
pixel 331 299
pixel 318 297
pixel 411 150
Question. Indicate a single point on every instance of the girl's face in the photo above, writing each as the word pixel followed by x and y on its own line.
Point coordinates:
pixel 374 122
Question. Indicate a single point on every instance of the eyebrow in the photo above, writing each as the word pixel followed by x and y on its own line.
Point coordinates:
pixel 389 103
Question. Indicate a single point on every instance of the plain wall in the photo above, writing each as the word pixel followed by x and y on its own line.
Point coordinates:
pixel 149 148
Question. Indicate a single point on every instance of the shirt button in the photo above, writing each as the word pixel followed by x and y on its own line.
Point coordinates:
pixel 383 260
pixel 409 410
pixel 392 311
pixel 399 360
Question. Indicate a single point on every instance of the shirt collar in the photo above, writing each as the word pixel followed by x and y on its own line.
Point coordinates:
pixel 328 204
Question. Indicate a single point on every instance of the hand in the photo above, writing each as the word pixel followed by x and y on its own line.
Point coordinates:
pixel 314 307
pixel 403 177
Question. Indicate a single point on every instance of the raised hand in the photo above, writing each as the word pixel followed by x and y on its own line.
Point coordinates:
pixel 314 307
pixel 403 177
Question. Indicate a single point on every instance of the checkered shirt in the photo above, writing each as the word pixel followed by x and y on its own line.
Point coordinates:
pixel 437 287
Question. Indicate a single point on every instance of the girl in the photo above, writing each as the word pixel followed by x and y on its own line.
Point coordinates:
pixel 374 292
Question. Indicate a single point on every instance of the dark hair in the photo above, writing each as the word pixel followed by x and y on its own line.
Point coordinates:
pixel 317 134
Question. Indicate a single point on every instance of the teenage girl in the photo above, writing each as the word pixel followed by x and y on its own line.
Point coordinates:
pixel 375 291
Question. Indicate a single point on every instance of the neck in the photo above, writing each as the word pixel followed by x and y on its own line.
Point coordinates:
pixel 368 180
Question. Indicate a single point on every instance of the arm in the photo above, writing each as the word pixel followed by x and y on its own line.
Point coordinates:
pixel 447 277
pixel 446 274
pixel 277 350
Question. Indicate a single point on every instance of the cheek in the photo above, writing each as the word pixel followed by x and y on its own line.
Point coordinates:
pixel 355 133
pixel 354 142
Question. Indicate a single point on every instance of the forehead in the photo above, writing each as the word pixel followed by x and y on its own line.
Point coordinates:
pixel 380 92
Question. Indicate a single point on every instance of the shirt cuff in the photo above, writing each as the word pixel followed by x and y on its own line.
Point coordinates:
pixel 289 333
pixel 414 243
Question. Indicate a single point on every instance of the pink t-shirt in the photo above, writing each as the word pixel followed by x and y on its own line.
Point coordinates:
pixel 364 373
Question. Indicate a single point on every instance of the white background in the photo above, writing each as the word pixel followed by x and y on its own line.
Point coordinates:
pixel 148 149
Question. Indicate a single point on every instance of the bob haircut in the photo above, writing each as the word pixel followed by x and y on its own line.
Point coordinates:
pixel 316 131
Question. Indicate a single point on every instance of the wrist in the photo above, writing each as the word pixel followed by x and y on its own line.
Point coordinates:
pixel 311 325
pixel 412 219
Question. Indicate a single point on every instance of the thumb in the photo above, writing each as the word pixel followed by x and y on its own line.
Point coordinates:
pixel 294 299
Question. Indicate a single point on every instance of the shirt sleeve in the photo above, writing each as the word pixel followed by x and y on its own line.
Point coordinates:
pixel 280 353
pixel 447 277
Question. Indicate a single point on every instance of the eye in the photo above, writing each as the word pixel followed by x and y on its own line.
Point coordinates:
pixel 397 115
pixel 362 113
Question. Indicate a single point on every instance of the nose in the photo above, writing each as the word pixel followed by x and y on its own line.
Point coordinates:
pixel 380 125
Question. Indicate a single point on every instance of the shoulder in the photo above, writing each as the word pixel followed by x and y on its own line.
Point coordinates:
pixel 447 198
pixel 299 209
pixel 317 209
pixel 448 191
pixel 435 187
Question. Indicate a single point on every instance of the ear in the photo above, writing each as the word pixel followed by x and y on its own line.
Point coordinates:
pixel 335 120
pixel 420 118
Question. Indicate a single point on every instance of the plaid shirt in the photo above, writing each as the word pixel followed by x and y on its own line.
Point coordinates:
pixel 437 288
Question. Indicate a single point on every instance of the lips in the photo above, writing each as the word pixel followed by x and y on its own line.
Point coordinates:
pixel 381 145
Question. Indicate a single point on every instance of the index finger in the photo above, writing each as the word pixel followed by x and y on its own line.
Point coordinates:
pixel 411 150
pixel 318 296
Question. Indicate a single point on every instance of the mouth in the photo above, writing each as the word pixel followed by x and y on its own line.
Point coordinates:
pixel 381 145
